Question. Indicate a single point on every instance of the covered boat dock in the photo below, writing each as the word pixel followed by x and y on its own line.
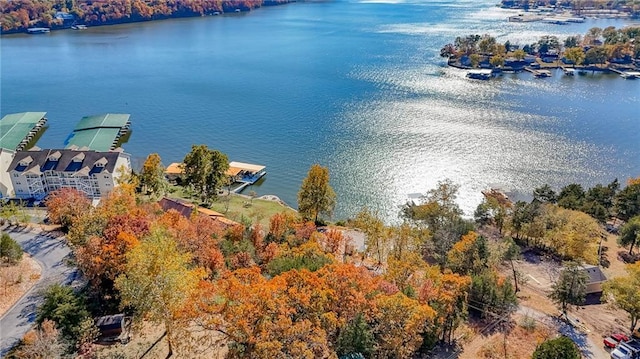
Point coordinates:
pixel 100 133
pixel 246 172
pixel 18 130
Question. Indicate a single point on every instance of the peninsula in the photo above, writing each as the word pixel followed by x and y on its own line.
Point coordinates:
pixel 608 49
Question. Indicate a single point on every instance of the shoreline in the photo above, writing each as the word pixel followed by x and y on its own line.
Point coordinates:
pixel 155 17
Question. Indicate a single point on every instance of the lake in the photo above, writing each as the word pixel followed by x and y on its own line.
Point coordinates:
pixel 357 86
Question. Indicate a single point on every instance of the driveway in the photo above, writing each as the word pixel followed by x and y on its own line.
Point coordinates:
pixel 588 347
pixel 52 254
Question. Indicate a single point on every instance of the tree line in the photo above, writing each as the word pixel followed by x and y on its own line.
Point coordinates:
pixel 17 16
pixel 597 46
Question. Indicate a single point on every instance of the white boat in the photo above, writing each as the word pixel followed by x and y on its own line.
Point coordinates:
pixel 38 30
pixel 482 74
pixel 79 27
pixel 542 73
pixel 569 72
pixel 630 75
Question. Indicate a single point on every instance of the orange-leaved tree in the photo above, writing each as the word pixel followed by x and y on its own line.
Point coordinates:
pixel 65 205
pixel 401 323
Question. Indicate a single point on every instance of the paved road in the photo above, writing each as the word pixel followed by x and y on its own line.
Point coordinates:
pixel 589 349
pixel 51 253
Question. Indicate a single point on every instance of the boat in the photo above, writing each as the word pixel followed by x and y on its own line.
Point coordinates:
pixel 483 74
pixel 569 72
pixel 38 30
pixel 630 75
pixel 79 27
pixel 542 73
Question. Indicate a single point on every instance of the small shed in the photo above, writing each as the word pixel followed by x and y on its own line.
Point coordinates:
pixel 113 328
pixel 595 279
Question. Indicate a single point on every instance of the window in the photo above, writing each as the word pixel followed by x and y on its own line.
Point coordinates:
pixel 16 175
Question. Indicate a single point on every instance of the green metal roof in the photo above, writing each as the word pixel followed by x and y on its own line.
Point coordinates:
pixel 97 139
pixel 105 120
pixel 16 126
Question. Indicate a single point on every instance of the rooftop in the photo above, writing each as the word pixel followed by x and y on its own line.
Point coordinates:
pixel 99 139
pixel 80 163
pixel 99 132
pixel 175 168
pixel 107 120
pixel 16 127
pixel 247 167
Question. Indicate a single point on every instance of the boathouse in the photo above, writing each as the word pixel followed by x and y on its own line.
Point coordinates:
pixel 18 130
pixel 99 132
pixel 238 172
pixel 245 172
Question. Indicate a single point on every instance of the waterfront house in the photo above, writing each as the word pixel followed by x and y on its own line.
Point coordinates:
pixel 186 209
pixel 36 173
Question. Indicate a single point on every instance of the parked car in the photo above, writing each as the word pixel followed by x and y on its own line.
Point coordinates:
pixel 613 340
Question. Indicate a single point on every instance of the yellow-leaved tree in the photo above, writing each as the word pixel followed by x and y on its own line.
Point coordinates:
pixel 625 292
pixel 158 281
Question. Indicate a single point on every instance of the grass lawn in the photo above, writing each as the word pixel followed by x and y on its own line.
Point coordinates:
pixel 240 207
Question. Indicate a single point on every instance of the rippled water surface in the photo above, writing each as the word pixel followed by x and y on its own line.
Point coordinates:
pixel 354 85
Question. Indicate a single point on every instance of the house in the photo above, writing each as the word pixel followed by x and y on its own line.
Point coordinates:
pixel 186 209
pixel 595 280
pixel 113 328
pixel 36 173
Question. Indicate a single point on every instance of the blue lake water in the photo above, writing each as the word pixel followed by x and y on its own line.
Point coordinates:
pixel 357 86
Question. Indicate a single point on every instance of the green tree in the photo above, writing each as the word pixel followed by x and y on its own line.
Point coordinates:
pixel 630 233
pixel 475 59
pixel 496 60
pixel 625 292
pixel 356 338
pixel 158 281
pixel 572 41
pixel 595 55
pixel 575 55
pixel 545 194
pixel 571 196
pixel 10 250
pixel 205 170
pixel 486 44
pixel 511 253
pixel 316 197
pixel 152 177
pixel 519 54
pixel 627 202
pixel 66 308
pixel 559 348
pixel 571 287
pixel 491 294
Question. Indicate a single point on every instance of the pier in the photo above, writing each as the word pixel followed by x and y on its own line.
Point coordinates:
pixel 627 75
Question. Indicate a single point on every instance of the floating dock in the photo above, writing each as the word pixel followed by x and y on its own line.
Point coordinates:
pixel 18 130
pixel 100 133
